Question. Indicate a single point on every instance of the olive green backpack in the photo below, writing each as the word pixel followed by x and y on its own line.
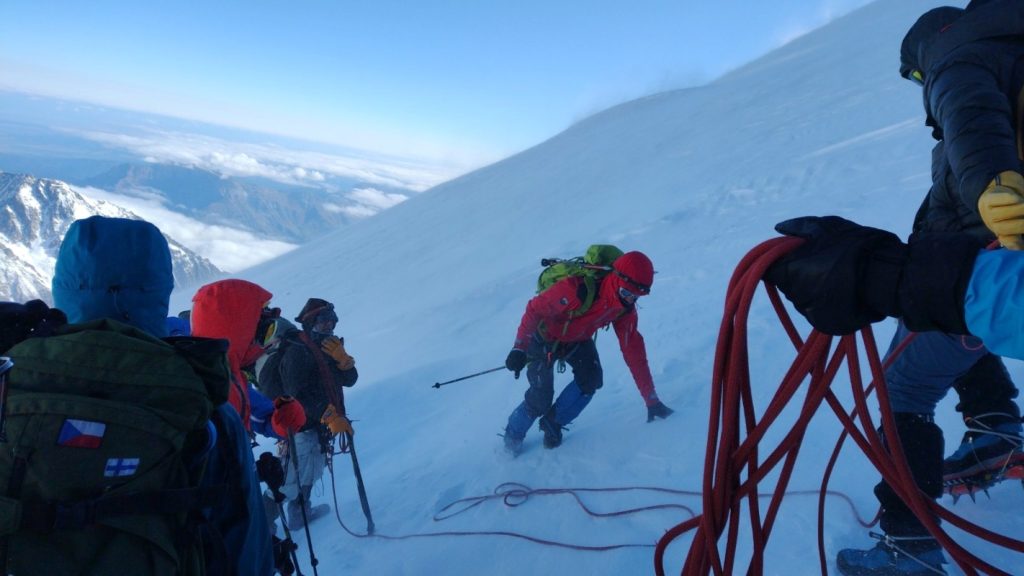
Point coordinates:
pixel 103 449
pixel 593 266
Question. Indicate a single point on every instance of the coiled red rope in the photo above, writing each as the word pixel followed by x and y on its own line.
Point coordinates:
pixel 732 470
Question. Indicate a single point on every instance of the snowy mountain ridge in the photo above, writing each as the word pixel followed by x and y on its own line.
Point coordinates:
pixel 35 215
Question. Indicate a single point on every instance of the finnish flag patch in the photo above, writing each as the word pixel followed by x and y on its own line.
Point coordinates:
pixel 117 467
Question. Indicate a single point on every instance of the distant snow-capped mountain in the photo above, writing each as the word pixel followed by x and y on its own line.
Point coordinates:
pixel 35 213
pixel 294 214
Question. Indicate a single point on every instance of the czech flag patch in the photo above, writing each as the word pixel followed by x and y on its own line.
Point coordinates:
pixel 81 433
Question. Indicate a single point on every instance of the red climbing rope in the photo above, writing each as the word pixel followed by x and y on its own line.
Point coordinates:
pixel 733 467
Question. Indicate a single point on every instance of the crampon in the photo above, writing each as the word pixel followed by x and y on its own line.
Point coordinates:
pixel 1011 468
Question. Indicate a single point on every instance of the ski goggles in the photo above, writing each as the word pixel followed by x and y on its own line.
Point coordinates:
pixel 266 329
pixel 916 77
pixel 638 288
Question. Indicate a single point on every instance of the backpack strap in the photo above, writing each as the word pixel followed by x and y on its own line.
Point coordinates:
pixel 589 292
pixel 326 379
pixel 11 502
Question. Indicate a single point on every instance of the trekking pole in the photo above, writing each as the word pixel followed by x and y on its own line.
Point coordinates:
pixel 5 366
pixel 269 469
pixel 439 384
pixel 279 499
pixel 294 454
pixel 287 533
pixel 359 483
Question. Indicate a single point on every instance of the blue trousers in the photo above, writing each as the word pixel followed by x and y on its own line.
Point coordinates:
pixel 928 368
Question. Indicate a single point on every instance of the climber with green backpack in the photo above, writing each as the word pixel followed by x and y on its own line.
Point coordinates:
pixel 121 454
pixel 575 299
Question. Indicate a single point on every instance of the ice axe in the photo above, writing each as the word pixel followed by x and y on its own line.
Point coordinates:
pixel 359 484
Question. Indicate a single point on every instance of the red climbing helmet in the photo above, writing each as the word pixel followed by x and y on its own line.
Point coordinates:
pixel 636 269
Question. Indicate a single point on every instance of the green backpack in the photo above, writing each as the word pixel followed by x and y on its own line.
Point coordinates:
pixel 106 437
pixel 593 266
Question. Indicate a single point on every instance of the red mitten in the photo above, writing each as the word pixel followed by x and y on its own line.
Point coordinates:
pixel 288 416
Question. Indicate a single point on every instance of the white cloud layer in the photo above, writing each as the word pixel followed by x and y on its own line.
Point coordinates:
pixel 230 249
pixel 289 166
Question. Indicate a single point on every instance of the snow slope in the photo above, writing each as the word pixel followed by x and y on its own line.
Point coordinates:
pixel 433 289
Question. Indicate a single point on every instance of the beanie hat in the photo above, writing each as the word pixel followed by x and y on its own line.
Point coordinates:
pixel 635 268
pixel 313 307
pixel 921 36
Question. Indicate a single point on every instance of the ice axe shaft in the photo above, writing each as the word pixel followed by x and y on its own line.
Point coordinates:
pixel 439 384
pixel 359 484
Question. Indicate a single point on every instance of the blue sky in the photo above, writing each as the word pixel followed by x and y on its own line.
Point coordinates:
pixel 462 82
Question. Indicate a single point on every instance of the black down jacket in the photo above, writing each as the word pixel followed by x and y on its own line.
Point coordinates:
pixel 973 73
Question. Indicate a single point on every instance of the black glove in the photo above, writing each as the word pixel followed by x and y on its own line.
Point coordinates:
pixel 269 470
pixel 283 556
pixel 516 361
pixel 658 410
pixel 844 277
pixel 935 279
pixel 21 321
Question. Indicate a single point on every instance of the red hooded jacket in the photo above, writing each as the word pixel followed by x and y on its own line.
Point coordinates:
pixel 230 309
pixel 550 314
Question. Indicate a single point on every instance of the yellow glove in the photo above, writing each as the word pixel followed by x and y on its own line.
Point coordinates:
pixel 336 423
pixel 333 347
pixel 1001 206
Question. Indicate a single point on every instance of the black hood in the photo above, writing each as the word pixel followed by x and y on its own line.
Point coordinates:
pixel 921 36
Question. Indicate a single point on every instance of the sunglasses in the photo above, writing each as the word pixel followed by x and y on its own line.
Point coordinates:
pixel 327 317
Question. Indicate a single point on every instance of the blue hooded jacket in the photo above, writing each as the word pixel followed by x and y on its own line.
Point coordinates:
pixel 114 268
pixel 121 269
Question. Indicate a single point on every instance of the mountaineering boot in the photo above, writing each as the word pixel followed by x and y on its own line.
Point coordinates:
pixel 552 429
pixel 894 556
pixel 513 445
pixel 295 519
pixel 988 446
pixel 519 421
pixel 570 403
pixel 923 447
pixel 658 410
